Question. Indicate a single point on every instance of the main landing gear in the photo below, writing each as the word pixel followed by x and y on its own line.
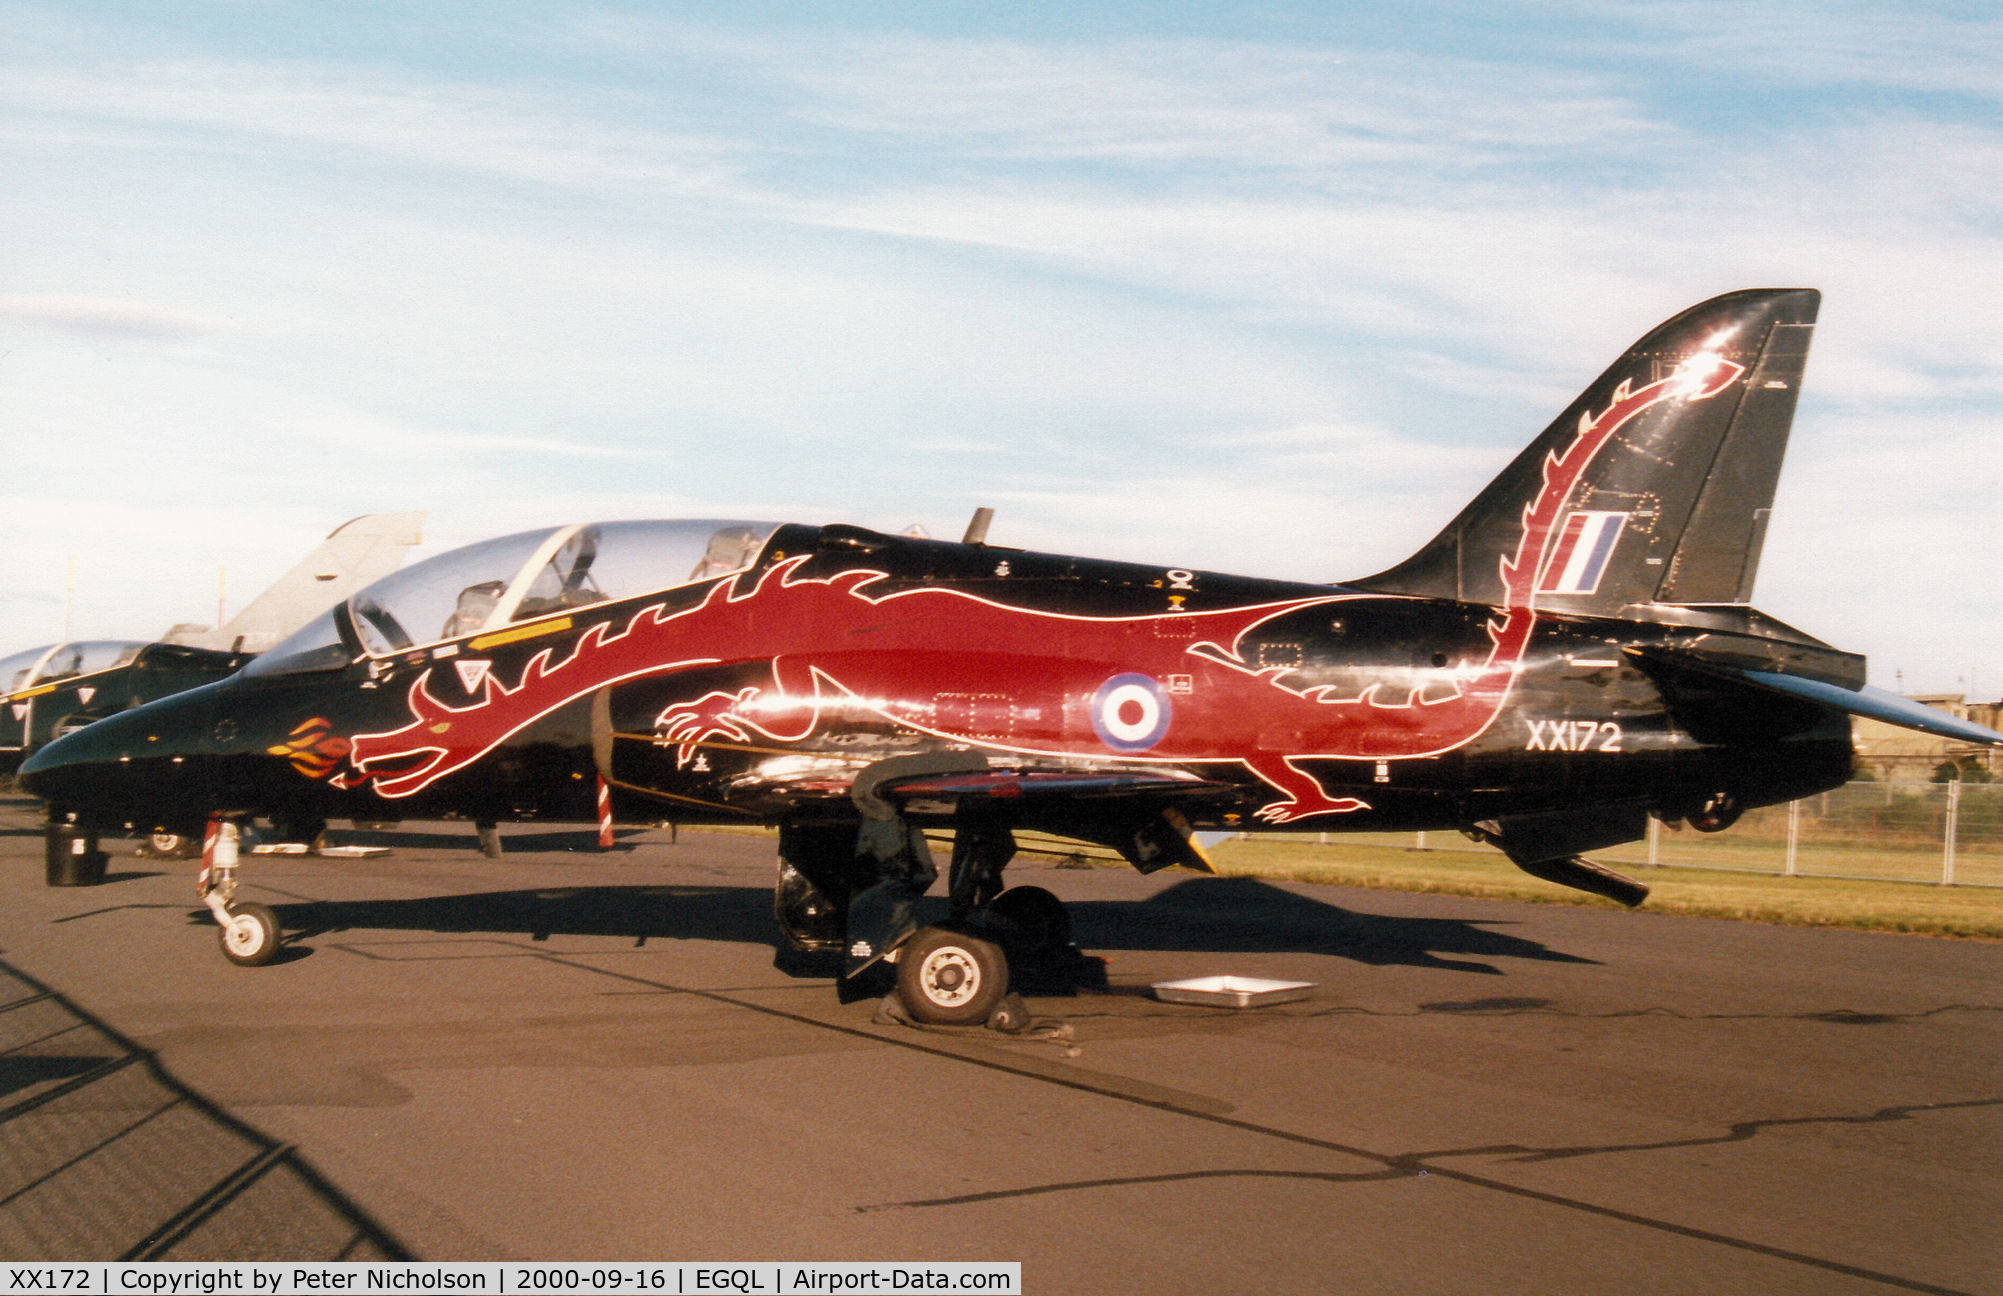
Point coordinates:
pixel 951 978
pixel 856 888
pixel 960 972
pixel 169 846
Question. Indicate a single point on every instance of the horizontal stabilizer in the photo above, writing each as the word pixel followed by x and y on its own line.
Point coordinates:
pixel 1877 704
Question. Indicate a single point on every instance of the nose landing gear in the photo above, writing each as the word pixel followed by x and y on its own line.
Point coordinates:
pixel 250 932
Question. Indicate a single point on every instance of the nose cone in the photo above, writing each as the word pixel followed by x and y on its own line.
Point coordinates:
pixel 139 763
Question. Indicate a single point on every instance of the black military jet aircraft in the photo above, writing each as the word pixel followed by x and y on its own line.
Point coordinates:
pixel 1572 654
pixel 54 689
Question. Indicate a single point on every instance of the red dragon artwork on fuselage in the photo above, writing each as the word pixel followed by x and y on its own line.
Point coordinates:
pixel 1171 687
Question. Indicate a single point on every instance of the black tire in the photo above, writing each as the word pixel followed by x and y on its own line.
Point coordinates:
pixel 947 978
pixel 1031 919
pixel 251 939
pixel 1719 811
pixel 166 845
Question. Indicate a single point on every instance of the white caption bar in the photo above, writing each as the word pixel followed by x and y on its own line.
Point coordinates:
pixel 803 1278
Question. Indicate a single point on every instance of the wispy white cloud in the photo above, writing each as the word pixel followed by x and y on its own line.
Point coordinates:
pixel 1170 103
pixel 1265 306
pixel 380 439
pixel 557 134
pixel 1929 48
pixel 107 317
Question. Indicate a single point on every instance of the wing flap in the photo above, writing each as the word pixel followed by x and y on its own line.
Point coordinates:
pixel 999 784
pixel 1132 812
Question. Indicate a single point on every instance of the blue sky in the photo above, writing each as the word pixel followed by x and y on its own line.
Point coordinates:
pixel 1270 288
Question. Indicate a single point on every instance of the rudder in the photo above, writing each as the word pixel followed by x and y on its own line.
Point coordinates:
pixel 1652 487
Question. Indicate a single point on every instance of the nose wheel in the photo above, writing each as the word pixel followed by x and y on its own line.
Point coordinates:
pixel 249 935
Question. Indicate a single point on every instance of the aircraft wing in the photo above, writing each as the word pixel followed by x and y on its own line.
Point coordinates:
pixel 1134 812
pixel 999 784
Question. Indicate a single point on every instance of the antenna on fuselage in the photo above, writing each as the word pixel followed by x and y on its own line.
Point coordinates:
pixel 977 528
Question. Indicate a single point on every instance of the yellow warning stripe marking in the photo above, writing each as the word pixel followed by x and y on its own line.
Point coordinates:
pixel 520 633
pixel 62 683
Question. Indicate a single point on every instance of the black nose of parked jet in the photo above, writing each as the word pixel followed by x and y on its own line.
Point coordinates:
pixel 147 757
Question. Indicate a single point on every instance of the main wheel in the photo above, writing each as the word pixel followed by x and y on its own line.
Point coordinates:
pixel 1031 919
pixel 1719 811
pixel 166 845
pixel 251 938
pixel 948 978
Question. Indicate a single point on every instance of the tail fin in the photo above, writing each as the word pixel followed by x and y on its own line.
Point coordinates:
pixel 1653 487
pixel 355 554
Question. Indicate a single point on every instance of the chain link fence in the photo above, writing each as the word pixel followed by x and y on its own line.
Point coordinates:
pixel 103 1155
pixel 1945 833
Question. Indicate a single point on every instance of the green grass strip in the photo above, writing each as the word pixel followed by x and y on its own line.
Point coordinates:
pixel 1922 908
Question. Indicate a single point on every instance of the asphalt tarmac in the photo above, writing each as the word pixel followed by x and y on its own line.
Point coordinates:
pixel 573 1054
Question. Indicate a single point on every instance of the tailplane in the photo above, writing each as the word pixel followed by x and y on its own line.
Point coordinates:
pixel 356 554
pixel 1653 487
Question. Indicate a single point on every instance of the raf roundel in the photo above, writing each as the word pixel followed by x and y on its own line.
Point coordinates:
pixel 1130 713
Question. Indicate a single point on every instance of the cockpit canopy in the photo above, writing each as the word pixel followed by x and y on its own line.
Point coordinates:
pixel 518 578
pixel 54 662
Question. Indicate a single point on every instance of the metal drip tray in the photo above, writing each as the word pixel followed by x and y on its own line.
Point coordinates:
pixel 1231 991
pixel 330 852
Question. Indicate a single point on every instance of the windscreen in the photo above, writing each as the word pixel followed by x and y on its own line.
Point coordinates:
pixel 443 597
pixel 87 658
pixel 605 561
pixel 315 646
pixel 14 669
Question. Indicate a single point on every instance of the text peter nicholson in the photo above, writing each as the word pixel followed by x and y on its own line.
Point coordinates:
pixel 804 1278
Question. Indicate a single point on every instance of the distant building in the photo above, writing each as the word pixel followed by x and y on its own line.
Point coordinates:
pixel 1893 755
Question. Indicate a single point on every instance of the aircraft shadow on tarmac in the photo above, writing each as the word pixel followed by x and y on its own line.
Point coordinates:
pixel 516 839
pixel 1215 915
